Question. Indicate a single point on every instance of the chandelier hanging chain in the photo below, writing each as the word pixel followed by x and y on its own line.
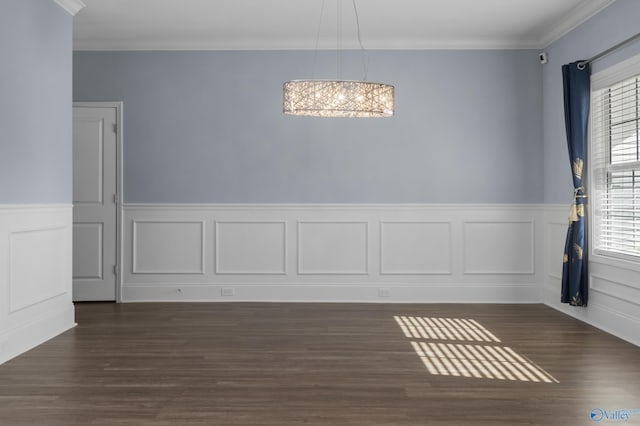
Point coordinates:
pixel 315 54
pixel 365 58
pixel 363 52
pixel 339 38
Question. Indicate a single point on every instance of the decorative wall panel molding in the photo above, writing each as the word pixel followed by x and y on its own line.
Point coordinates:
pixel 300 252
pixel 168 247
pixel 333 248
pixel 496 248
pixel 415 248
pixel 626 292
pixel 35 260
pixel 251 247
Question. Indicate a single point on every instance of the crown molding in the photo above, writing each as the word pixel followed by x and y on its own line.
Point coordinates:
pixel 71 6
pixel 255 44
pixel 542 37
pixel 576 16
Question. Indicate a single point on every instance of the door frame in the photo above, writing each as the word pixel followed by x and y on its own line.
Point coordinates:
pixel 119 186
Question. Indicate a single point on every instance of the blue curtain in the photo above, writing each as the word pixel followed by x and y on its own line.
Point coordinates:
pixel 577 90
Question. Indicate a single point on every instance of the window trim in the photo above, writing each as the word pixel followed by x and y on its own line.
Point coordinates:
pixel 601 80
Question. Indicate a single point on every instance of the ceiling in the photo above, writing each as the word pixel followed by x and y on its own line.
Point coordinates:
pixel 294 24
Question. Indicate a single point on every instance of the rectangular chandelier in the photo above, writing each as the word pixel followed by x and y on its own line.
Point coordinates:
pixel 338 98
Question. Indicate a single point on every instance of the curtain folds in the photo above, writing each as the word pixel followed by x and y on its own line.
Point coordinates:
pixel 577 92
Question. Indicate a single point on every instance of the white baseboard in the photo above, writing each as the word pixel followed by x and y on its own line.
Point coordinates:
pixel 332 292
pixel 600 314
pixel 35 260
pixel 20 339
pixel 350 253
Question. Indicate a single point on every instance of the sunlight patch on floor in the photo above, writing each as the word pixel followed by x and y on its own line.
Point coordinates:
pixel 444 329
pixel 482 361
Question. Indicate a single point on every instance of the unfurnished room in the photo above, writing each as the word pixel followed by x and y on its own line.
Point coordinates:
pixel 319 212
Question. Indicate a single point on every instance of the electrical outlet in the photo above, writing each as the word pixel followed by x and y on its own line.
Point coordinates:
pixel 384 292
pixel 227 291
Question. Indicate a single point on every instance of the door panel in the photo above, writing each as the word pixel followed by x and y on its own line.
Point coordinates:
pixel 87 251
pixel 88 159
pixel 94 203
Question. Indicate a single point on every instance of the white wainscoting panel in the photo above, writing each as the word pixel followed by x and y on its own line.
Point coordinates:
pixel 37 269
pixel 626 292
pixel 333 248
pixel 556 233
pixel 35 275
pixel 499 248
pixel 415 248
pixel 614 286
pixel 251 247
pixel 168 247
pixel 344 253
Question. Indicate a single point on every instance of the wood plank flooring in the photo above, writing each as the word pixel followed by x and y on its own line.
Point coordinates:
pixel 315 364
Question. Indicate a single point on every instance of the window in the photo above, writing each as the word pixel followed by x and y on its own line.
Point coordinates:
pixel 615 165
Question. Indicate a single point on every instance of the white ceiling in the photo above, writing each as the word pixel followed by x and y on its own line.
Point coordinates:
pixel 293 24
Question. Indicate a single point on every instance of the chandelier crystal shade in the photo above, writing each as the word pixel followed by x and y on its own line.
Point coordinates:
pixel 338 98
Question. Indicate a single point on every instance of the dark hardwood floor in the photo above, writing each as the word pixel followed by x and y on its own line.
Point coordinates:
pixel 322 364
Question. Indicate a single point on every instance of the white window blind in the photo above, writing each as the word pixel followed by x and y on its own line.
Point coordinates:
pixel 615 168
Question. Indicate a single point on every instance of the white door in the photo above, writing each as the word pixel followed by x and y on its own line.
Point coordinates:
pixel 94 203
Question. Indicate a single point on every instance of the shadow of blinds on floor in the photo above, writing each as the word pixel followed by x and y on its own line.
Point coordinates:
pixel 442 357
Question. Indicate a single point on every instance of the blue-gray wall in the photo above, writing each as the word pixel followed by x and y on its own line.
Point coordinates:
pixel 35 102
pixel 614 24
pixel 207 127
